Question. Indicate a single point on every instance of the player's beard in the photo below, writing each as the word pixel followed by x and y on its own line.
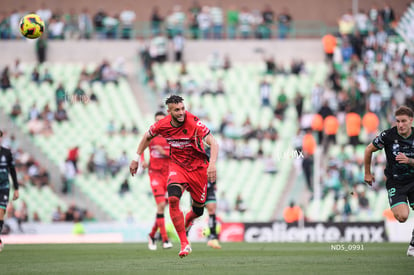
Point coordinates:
pixel 176 120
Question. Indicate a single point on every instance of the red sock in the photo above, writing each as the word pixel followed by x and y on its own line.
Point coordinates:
pixel 177 219
pixel 189 218
pixel 154 229
pixel 161 225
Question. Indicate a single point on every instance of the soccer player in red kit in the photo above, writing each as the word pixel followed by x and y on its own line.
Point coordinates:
pixel 190 167
pixel 158 173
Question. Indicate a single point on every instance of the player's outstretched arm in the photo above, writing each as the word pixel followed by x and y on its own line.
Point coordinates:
pixel 368 177
pixel 211 170
pixel 144 143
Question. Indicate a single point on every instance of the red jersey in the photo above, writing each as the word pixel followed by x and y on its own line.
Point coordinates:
pixel 186 146
pixel 158 161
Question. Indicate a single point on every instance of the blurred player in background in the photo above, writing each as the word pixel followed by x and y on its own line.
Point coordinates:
pixel 6 167
pixel 398 143
pixel 158 174
pixel 190 168
pixel 211 205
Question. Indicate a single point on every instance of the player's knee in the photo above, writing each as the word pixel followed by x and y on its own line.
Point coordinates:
pixel 173 201
pixel 401 218
pixel 198 210
pixel 174 195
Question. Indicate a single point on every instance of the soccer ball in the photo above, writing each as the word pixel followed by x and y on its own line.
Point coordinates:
pixel 32 26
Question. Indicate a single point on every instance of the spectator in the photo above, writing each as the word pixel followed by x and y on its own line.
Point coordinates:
pixel 346 23
pixel 101 162
pixel 216 14
pixel 47 76
pixel 270 132
pixel 284 22
pixel 245 23
pixel 18 69
pixel 110 128
pixel 60 94
pixel 292 213
pixel 73 156
pixel 44 12
pixel 156 21
pixel 353 127
pixel 307 166
pixel 36 217
pixel 127 19
pixel 329 44
pixel 16 110
pixel 223 204
pixel 317 126
pixel 79 93
pixel 61 114
pixel 178 44
pixel 265 89
pixel 68 174
pixel 5 79
pixel 232 20
pixel 85 24
pixel 370 122
pixel 331 181
pixel 98 22
pixel 387 15
pixel 204 22
pixel 47 114
pixel 124 188
pixel 347 210
pixel 309 143
pixel 363 202
pixel 56 28
pixel 331 126
pixel 58 215
pixel 239 205
pixel 268 18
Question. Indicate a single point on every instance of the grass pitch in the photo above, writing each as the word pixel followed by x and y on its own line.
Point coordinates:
pixel 233 258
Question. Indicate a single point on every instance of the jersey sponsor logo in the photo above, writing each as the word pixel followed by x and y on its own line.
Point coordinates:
pixel 179 143
pixel 395 148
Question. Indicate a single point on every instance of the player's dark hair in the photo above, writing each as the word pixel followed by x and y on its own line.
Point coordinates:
pixel 174 99
pixel 404 110
pixel 159 113
pixel 1 133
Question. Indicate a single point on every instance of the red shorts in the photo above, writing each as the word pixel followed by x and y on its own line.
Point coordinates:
pixel 158 181
pixel 194 181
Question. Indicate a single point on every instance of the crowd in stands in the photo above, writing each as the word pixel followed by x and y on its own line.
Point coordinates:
pixel 200 21
pixel 371 75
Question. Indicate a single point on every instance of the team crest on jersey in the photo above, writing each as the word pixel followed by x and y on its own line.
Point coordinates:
pixel 185 131
pixel 3 159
